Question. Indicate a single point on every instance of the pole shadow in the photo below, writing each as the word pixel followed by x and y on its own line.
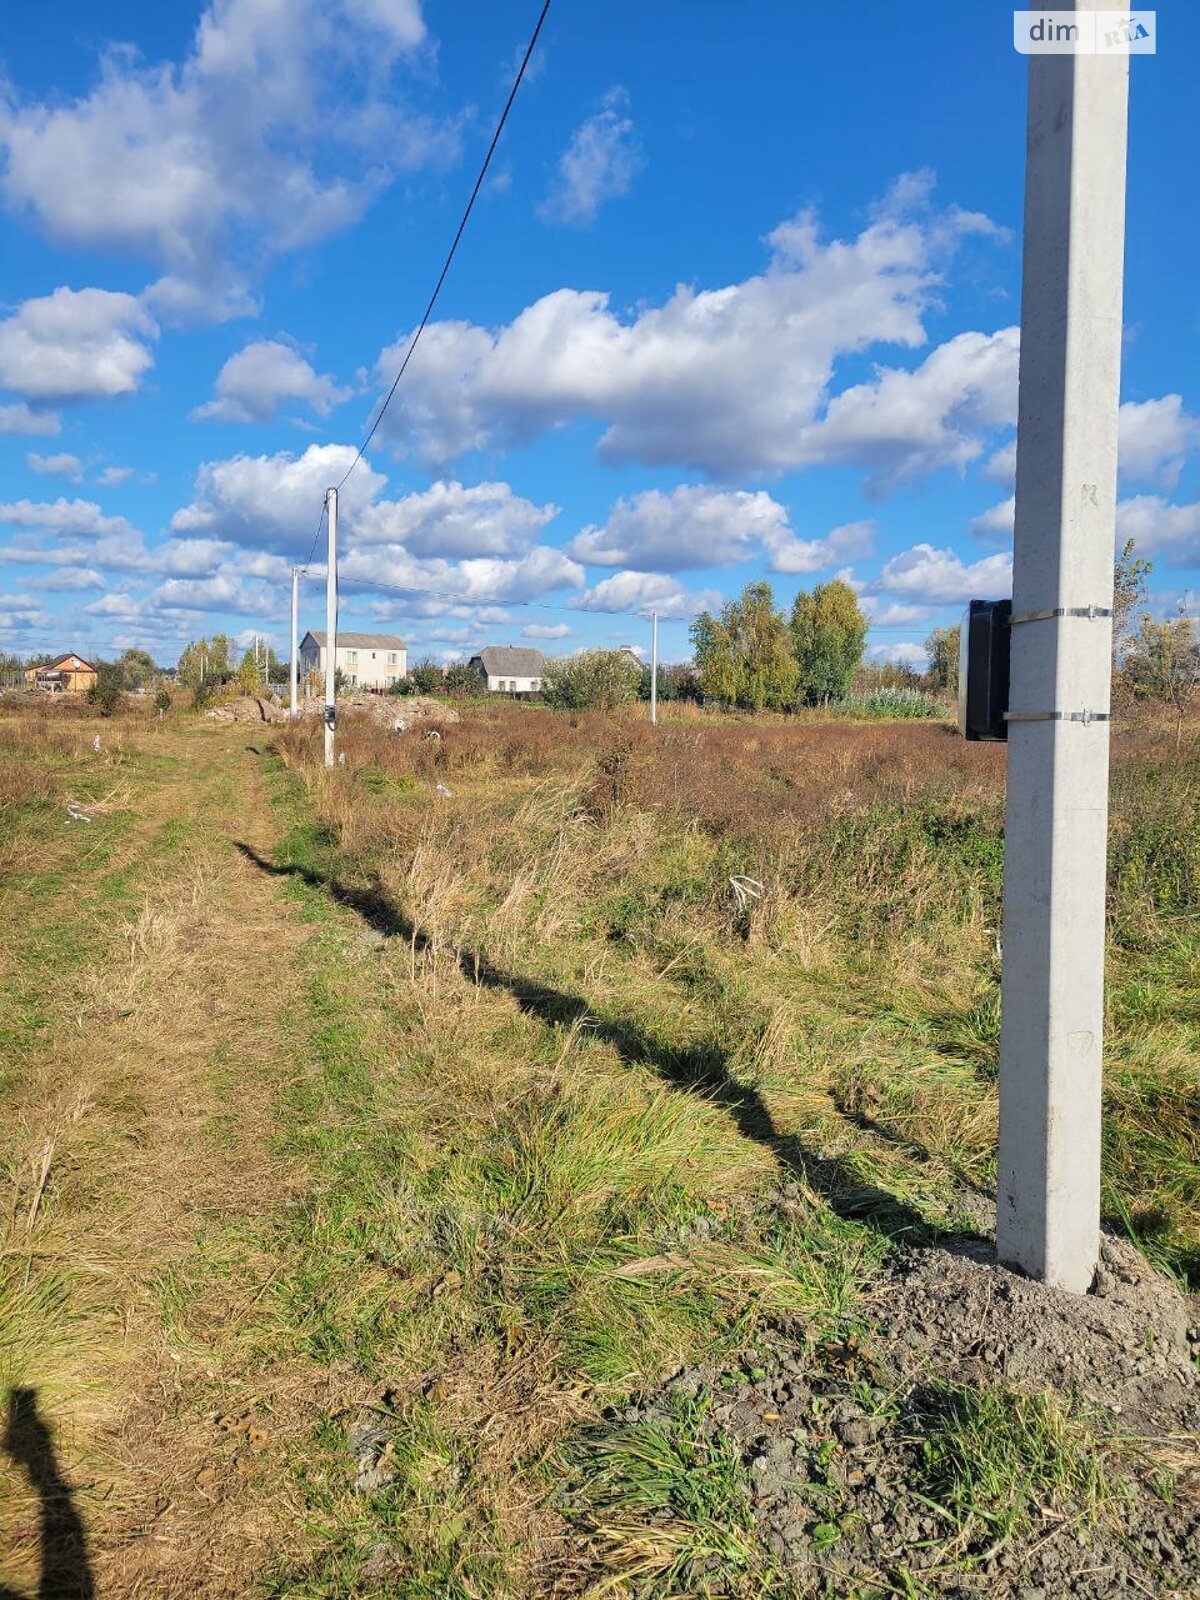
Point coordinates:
pixel 700 1069
pixel 66 1573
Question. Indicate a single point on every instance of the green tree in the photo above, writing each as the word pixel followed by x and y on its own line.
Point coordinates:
pixel 829 631
pixel 1130 575
pixel 249 674
pixel 1162 662
pixel 668 684
pixel 207 661
pixel 137 669
pixel 744 656
pixel 593 680
pixel 461 679
pixel 942 649
pixel 105 693
pixel 427 677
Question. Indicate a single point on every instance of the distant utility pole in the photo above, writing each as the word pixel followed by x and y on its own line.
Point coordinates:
pixel 653 668
pixel 1048 1192
pixel 294 670
pixel 331 609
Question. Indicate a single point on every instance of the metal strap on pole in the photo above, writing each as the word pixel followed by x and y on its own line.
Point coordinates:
pixel 1061 611
pixel 1056 716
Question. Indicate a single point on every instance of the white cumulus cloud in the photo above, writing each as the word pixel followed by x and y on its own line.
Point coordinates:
pixel 76 344
pixel 82 518
pixel 22 613
pixel 599 164
pixel 1155 524
pixel 691 526
pixel 277 127
pixel 252 385
pixel 22 419
pixel 450 519
pixel 274 502
pixel 996 523
pixel 546 630
pixel 62 465
pixel 815 555
pixel 899 655
pixel 730 379
pixel 940 577
pixel 645 592
pixel 1155 438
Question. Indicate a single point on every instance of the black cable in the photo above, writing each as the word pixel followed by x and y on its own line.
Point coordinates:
pixel 320 524
pixel 512 95
pixel 470 600
pixel 546 605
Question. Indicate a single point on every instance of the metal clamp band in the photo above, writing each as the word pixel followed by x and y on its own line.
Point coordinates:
pixel 1056 716
pixel 1061 611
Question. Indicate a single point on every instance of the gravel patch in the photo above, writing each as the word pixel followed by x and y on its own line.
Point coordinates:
pixel 837 1439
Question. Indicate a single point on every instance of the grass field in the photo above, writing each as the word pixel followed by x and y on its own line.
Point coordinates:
pixel 377 1157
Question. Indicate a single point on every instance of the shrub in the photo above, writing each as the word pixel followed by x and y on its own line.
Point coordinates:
pixel 906 703
pixel 427 677
pixel 105 693
pixel 593 680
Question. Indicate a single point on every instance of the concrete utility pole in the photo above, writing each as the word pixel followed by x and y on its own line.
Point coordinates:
pixel 1048 1193
pixel 294 669
pixel 653 668
pixel 331 603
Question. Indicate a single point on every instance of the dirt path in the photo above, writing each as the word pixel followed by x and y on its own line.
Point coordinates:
pixel 144 1131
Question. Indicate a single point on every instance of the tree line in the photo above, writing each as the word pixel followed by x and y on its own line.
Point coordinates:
pixel 751 656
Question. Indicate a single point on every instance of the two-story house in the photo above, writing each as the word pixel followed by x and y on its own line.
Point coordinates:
pixel 367 660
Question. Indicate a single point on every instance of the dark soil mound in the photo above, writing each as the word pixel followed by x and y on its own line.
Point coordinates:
pixel 992 1436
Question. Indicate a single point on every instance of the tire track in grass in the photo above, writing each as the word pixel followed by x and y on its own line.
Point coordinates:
pixel 132 1268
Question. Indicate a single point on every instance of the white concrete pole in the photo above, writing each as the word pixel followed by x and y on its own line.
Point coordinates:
pixel 294 669
pixel 331 607
pixel 1048 1191
pixel 653 668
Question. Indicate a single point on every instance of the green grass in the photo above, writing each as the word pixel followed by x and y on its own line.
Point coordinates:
pixel 668 1502
pixel 999 1464
pixel 584 1118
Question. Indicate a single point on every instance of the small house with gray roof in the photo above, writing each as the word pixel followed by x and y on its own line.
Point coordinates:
pixel 510 669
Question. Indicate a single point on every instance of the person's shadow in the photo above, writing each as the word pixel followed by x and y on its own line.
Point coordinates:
pixel 66 1572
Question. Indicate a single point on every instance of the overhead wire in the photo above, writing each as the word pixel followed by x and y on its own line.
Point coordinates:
pixel 316 535
pixel 437 288
pixel 414 589
pixel 540 605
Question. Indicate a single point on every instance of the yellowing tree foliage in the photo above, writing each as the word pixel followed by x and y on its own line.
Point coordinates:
pixel 744 655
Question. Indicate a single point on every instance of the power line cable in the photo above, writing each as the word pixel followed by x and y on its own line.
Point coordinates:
pixel 547 605
pixel 472 600
pixel 487 160
pixel 317 534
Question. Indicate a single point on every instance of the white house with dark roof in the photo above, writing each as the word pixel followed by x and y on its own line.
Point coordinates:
pixel 367 660
pixel 510 669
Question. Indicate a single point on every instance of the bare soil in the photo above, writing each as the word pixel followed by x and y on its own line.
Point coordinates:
pixel 949 1316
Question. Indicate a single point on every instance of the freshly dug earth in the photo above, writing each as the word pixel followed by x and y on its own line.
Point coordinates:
pixel 248 708
pixel 843 1469
pixel 389 711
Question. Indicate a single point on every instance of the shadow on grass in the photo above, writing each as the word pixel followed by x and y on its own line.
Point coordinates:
pixel 702 1070
pixel 66 1571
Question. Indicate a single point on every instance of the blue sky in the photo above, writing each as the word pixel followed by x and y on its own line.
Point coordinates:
pixel 740 298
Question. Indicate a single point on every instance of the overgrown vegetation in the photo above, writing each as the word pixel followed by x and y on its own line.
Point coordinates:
pixel 640 1048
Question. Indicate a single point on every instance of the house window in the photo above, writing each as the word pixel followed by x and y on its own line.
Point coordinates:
pixel 535 683
pixel 351 658
pixel 391 658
